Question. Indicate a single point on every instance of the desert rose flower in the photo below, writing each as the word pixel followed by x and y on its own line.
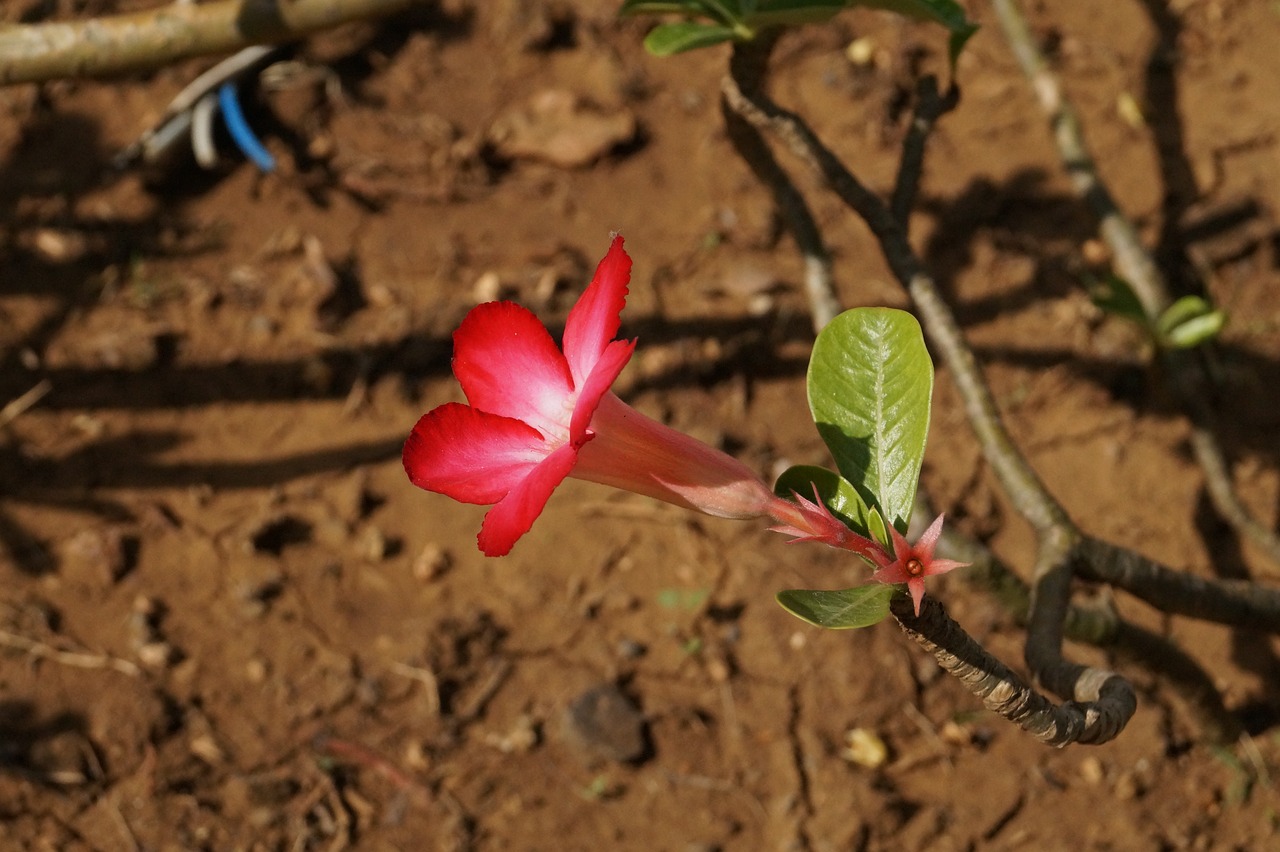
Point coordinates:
pixel 537 414
pixel 911 563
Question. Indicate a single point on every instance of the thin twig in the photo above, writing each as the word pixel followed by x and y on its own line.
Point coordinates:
pixel 19 405
pixel 78 659
pixel 362 755
pixel 1135 264
pixel 427 678
pixel 95 47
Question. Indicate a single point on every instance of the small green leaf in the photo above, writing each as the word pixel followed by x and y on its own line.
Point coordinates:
pixel 870 382
pixel 842 609
pixel 1196 331
pixel 955 44
pixel 1189 322
pixel 1185 309
pixel 668 39
pixel 1114 296
pixel 772 13
pixel 659 7
pixel 686 600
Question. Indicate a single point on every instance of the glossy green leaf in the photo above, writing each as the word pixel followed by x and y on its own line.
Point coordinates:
pixel 770 13
pixel 668 39
pixel 837 493
pixel 841 609
pixel 870 383
pixel 1189 322
pixel 1195 331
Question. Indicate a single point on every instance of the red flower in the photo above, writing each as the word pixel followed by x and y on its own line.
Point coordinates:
pixel 537 415
pixel 911 563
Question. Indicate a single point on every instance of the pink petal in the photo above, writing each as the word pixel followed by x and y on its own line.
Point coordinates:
pixel 893 574
pixel 470 455
pixel 515 513
pixel 594 320
pixel 508 364
pixel 916 587
pixel 612 360
pixel 901 547
pixel 927 542
pixel 941 566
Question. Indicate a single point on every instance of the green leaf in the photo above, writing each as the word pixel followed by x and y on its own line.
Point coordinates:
pixel 1114 296
pixel 842 609
pixel 870 382
pixel 668 39
pixel 772 13
pixel 1195 331
pixel 659 7
pixel 836 492
pixel 1189 322
pixel 686 600
pixel 955 44
pixel 946 12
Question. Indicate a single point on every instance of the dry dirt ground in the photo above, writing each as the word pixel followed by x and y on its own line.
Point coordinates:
pixel 252 633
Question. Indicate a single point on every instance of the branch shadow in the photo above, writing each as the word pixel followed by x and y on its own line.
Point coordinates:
pixel 60 159
pixel 1251 655
pixel 44 751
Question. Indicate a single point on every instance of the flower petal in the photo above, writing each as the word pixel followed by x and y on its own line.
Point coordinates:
pixel 508 364
pixel 941 566
pixel 916 587
pixel 926 543
pixel 515 513
pixel 901 547
pixel 594 320
pixel 892 574
pixel 612 360
pixel 470 455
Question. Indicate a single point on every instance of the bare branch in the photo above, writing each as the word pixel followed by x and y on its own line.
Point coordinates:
pixel 97 47
pixel 1238 603
pixel 1099 624
pixel 1103 704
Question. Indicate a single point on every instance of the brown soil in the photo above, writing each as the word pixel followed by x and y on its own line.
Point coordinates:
pixel 299 650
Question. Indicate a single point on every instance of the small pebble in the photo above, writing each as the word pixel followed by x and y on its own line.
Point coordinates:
pixel 605 723
pixel 433 560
